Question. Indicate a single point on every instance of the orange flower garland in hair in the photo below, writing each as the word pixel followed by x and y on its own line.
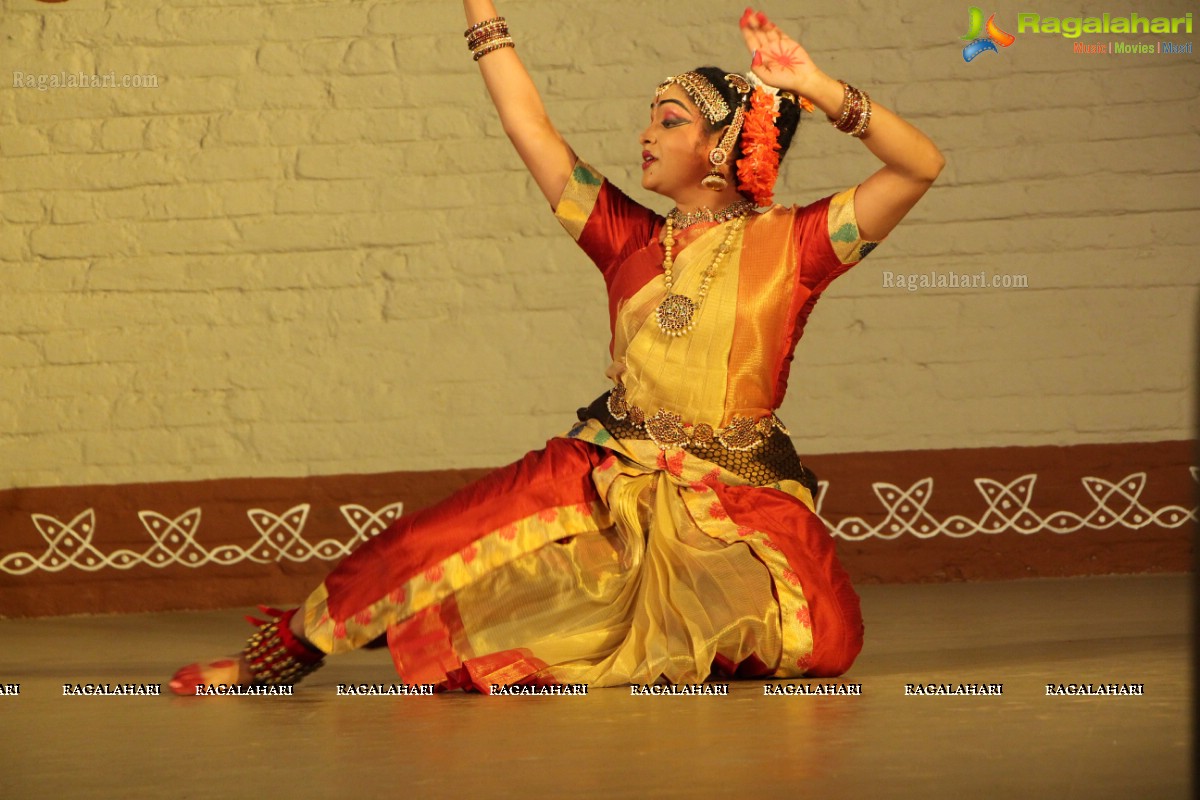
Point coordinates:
pixel 759 165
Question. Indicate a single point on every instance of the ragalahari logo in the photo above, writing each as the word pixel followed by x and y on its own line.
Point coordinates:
pixel 984 36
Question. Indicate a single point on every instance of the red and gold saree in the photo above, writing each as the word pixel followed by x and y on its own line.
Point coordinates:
pixel 670 534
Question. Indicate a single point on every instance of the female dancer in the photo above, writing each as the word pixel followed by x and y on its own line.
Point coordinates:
pixel 670 535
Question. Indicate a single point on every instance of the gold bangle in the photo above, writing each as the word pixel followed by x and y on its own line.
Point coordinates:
pixel 483 33
pixel 491 40
pixel 861 129
pixel 851 108
pixel 484 41
pixel 508 42
pixel 856 112
pixel 479 25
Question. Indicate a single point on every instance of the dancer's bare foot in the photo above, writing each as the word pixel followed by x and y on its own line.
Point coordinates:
pixel 283 648
pixel 229 671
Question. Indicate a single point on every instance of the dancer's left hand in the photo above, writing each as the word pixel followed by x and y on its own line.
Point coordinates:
pixel 779 60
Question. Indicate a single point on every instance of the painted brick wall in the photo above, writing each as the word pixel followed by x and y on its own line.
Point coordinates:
pixel 310 250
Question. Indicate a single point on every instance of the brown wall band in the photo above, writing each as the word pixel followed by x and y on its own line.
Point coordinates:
pixel 927 515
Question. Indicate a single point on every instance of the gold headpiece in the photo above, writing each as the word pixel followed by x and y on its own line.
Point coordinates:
pixel 706 97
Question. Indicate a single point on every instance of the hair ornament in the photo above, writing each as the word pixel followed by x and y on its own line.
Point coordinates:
pixel 804 103
pixel 781 95
pixel 710 102
pixel 739 83
pixel 758 167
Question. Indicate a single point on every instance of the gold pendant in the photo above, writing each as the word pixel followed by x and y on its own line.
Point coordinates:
pixel 674 314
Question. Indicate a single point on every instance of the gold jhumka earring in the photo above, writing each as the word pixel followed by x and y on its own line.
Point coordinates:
pixel 719 155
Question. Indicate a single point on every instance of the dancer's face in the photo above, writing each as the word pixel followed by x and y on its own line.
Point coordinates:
pixel 675 145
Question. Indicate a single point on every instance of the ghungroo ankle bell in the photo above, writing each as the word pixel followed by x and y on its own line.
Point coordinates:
pixel 275 655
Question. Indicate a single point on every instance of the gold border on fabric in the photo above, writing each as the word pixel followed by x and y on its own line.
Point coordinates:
pixel 843 229
pixel 767 279
pixel 578 198
pixel 489 552
pixel 795 624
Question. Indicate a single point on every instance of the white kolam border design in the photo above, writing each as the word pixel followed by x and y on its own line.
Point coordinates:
pixel 1008 508
pixel 281 537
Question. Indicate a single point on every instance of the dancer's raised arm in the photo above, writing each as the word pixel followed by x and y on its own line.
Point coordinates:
pixel 545 153
pixel 911 161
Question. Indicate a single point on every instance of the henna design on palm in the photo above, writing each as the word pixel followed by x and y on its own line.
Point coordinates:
pixel 779 58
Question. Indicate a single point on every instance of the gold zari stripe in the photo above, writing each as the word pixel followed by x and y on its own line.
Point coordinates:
pixel 578 198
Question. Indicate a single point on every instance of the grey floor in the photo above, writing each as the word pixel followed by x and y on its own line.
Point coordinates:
pixel 608 744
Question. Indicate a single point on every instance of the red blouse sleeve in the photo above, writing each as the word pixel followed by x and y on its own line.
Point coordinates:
pixel 827 240
pixel 827 244
pixel 603 220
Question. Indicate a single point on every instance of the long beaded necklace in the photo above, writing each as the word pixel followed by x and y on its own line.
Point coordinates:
pixel 676 314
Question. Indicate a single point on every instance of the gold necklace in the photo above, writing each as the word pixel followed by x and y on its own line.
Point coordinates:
pixel 676 314
pixel 686 219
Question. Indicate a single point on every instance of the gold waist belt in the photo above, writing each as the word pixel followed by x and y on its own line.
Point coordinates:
pixel 762 452
pixel 667 429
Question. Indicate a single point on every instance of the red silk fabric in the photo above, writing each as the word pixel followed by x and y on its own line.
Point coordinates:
pixel 559 475
pixel 837 624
